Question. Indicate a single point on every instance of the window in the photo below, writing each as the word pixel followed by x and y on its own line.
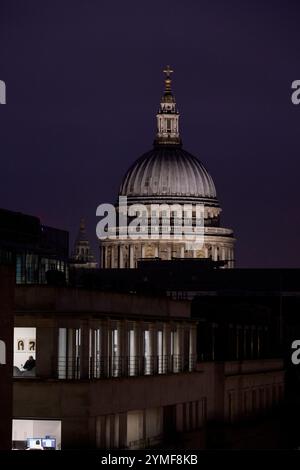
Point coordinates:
pixel 115 358
pixel 132 360
pixel 26 433
pixel 69 340
pixel 2 352
pixel 148 365
pixel 160 357
pixel 135 429
pixel 24 352
pixel 96 361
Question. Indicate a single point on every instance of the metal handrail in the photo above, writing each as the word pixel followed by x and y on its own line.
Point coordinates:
pixel 125 366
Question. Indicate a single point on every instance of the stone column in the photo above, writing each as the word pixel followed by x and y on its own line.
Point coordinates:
pixel 103 250
pixel 104 333
pixel 124 349
pixel 112 256
pixel 131 255
pixel 121 260
pixel 46 347
pixel 139 351
pixel 106 257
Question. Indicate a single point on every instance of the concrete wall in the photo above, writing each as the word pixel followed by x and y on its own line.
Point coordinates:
pixel 252 388
pixel 51 299
pixel 79 403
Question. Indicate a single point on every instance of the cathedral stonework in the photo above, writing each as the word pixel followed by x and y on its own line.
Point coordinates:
pixel 169 175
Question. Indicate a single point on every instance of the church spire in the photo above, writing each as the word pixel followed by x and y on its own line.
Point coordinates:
pixel 167 116
pixel 82 256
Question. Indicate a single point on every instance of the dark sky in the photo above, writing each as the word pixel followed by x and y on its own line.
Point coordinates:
pixel 84 82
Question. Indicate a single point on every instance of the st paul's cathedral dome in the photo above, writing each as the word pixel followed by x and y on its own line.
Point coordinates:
pixel 168 174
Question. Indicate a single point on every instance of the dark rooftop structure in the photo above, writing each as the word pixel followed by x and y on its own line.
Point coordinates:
pixel 35 248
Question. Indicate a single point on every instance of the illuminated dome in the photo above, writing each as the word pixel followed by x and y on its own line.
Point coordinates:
pixel 167 178
pixel 169 171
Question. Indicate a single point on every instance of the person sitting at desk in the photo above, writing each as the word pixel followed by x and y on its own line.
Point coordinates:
pixel 36 446
pixel 29 364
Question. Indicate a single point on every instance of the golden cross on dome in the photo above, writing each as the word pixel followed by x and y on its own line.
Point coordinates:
pixel 168 71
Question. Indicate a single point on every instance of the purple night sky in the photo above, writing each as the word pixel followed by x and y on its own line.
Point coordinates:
pixel 84 81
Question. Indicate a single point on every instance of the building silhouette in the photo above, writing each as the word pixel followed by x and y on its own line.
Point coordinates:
pixel 40 253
